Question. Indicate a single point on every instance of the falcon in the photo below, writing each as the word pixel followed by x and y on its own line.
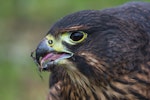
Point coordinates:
pixel 98 54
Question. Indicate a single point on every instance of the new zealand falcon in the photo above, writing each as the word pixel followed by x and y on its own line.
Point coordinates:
pixel 99 54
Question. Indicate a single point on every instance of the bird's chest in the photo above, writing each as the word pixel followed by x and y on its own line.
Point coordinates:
pixel 61 91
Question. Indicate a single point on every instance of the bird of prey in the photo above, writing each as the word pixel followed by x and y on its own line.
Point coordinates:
pixel 99 54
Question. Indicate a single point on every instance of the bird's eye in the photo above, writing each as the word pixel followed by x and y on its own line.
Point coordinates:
pixel 78 36
pixel 74 38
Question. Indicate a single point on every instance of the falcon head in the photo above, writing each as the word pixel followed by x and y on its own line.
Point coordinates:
pixel 101 55
pixel 75 50
pixel 73 42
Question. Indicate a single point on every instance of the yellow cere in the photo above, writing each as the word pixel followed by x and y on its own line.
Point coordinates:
pixel 56 43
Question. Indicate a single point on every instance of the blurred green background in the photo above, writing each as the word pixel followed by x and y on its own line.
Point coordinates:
pixel 23 23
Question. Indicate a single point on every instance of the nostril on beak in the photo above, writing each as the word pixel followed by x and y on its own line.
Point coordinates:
pixel 50 42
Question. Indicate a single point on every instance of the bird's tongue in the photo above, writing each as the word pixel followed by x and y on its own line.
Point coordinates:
pixel 51 57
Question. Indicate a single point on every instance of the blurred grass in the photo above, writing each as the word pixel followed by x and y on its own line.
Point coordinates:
pixel 23 23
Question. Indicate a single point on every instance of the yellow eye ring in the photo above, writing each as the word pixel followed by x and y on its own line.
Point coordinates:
pixel 77 37
pixel 74 38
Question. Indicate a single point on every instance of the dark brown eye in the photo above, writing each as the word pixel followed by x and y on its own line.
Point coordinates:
pixel 77 36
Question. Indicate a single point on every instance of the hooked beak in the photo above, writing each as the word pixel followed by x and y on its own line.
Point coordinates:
pixel 47 57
